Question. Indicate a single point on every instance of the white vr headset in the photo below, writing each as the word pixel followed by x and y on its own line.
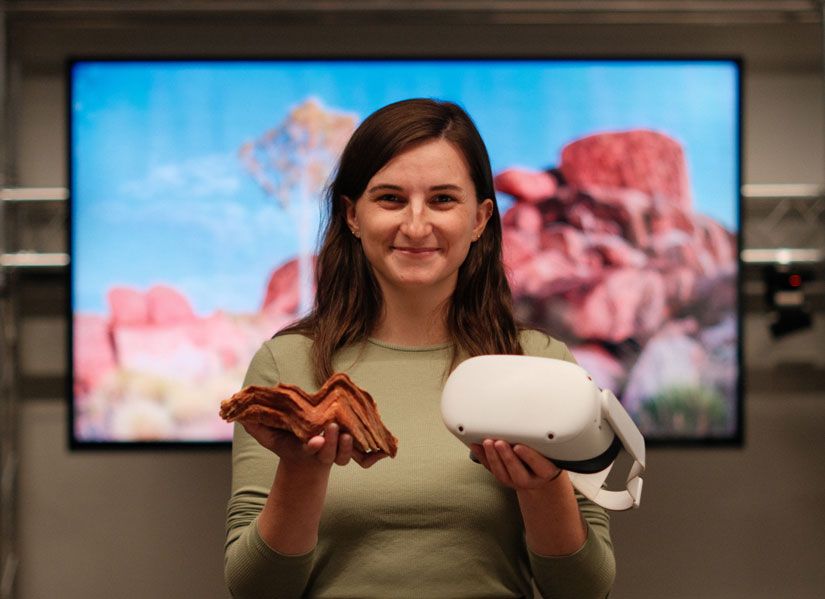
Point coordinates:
pixel 554 407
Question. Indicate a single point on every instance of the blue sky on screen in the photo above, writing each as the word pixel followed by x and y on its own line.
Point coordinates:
pixel 160 195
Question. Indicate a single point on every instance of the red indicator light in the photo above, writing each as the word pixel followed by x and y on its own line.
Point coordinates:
pixel 795 280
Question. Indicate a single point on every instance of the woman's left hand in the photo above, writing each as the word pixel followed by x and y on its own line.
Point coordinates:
pixel 516 466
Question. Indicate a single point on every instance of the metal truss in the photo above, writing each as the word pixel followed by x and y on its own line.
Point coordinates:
pixel 786 223
pixel 32 225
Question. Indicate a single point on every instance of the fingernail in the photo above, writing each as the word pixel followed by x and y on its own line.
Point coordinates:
pixel 474 458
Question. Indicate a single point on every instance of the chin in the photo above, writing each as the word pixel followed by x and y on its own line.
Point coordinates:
pixel 419 281
pixel 415 282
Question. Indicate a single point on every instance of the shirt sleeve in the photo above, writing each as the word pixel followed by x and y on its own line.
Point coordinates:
pixel 251 568
pixel 590 571
pixel 587 573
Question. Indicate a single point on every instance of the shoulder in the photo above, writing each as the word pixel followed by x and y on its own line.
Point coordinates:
pixel 288 344
pixel 278 359
pixel 539 343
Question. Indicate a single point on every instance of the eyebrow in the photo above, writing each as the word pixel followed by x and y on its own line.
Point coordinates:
pixel 389 186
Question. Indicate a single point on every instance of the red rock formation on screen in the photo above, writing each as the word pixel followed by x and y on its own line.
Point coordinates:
pixel 93 354
pixel 282 291
pixel 607 253
pixel 643 160
pixel 148 369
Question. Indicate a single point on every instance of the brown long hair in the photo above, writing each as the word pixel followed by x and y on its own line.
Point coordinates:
pixel 348 299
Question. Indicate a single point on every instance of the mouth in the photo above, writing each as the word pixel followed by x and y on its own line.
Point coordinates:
pixel 415 251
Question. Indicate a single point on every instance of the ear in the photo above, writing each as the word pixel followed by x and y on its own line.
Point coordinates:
pixel 483 213
pixel 352 218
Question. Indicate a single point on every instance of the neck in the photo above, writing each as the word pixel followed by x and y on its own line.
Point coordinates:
pixel 408 319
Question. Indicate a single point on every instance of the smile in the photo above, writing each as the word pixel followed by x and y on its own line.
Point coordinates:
pixel 415 251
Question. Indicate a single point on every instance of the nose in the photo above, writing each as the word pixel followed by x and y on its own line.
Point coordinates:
pixel 416 223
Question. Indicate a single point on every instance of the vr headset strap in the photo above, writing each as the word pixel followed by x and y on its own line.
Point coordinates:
pixel 633 444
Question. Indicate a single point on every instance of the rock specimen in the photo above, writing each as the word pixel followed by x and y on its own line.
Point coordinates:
pixel 305 415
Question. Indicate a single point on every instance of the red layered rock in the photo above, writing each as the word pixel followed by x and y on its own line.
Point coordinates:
pixel 155 335
pixel 167 306
pixel 305 415
pixel 529 186
pixel 616 244
pixel 627 303
pixel 640 159
pixel 282 291
pixel 606 252
pixel 160 306
pixel 94 355
pixel 127 306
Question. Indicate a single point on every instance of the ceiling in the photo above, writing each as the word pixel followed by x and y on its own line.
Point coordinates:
pixel 778 35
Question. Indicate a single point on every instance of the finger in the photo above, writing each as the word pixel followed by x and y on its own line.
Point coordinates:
pixel 344 454
pixel 258 430
pixel 516 469
pixel 271 438
pixel 540 465
pixel 327 453
pixel 251 427
pixel 478 452
pixel 495 464
pixel 365 460
pixel 315 444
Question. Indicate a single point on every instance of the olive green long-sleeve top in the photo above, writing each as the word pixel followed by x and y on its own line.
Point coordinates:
pixel 428 523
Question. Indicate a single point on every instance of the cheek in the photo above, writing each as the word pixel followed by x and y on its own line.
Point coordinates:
pixel 375 243
pixel 460 231
pixel 379 224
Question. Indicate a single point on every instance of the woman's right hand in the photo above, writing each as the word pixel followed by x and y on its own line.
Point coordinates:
pixel 324 450
pixel 291 515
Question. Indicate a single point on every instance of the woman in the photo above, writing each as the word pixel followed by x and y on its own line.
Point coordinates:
pixel 409 282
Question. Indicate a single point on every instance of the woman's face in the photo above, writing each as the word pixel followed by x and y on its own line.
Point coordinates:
pixel 417 218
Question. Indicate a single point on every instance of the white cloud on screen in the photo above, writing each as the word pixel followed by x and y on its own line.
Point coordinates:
pixel 200 176
pixel 211 195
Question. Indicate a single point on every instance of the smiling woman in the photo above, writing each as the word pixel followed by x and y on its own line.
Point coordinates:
pixel 410 282
pixel 416 221
pixel 395 158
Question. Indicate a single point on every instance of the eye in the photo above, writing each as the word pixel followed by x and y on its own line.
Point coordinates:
pixel 443 199
pixel 390 198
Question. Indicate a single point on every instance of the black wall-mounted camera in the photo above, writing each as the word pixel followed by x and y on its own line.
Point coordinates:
pixel 785 297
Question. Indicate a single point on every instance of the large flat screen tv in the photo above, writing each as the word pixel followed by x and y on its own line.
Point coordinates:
pixel 195 189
